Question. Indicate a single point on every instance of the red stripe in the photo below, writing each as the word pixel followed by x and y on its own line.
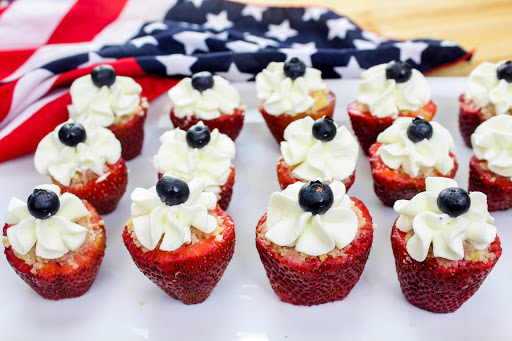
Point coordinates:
pixel 6 92
pixel 85 20
pixel 11 60
pixel 2 10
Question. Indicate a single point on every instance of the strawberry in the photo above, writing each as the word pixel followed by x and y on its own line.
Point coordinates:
pixel 435 287
pixel 103 192
pixel 56 280
pixel 189 273
pixel 286 177
pixel 367 127
pixel 277 124
pixel 130 132
pixel 497 188
pixel 390 185
pixel 312 281
pixel 470 117
pixel 230 125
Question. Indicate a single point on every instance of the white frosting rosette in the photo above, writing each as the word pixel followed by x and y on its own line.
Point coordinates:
pixel 386 98
pixel 222 98
pixel 315 159
pixel 398 151
pixel 101 106
pixel 62 162
pixel 485 88
pixel 212 163
pixel 289 225
pixel 492 142
pixel 446 234
pixel 53 237
pixel 154 221
pixel 281 94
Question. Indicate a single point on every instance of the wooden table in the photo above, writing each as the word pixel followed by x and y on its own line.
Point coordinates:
pixel 483 25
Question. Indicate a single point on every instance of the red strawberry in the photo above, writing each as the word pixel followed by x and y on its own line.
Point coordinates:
pixel 367 127
pixel 130 132
pixel 435 287
pixel 470 117
pixel 56 280
pixel 103 194
pixel 390 185
pixel 230 125
pixel 497 188
pixel 277 124
pixel 286 177
pixel 189 273
pixel 313 281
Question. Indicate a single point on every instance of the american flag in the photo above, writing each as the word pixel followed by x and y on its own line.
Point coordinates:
pixel 46 45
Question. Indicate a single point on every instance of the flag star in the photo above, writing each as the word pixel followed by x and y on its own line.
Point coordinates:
pixel 262 42
pixel 377 39
pixel 177 64
pixel 351 70
pixel 448 43
pixel 138 42
pixel 282 31
pixel 157 25
pixel 95 58
pixel 234 74
pixel 192 41
pixel 302 51
pixel 242 46
pixel 221 36
pixel 254 11
pixel 339 27
pixel 364 44
pixel 196 3
pixel 411 50
pixel 313 13
pixel 217 22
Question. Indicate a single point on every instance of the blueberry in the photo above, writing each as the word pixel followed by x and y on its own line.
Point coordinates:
pixel 324 129
pixel 504 71
pixel 103 75
pixel 198 136
pixel 172 191
pixel 419 129
pixel 202 81
pixel 453 201
pixel 316 197
pixel 294 68
pixel 400 71
pixel 43 203
pixel 72 134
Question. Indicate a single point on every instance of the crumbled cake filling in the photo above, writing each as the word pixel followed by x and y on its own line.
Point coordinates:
pixel 489 111
pixel 321 100
pixel 423 173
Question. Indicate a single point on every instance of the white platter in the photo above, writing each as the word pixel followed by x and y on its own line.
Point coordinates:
pixel 124 305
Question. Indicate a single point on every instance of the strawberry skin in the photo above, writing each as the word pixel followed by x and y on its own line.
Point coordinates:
pixel 497 188
pixel 312 281
pixel 131 134
pixel 277 124
pixel 104 195
pixel 367 127
pixel 286 177
pixel 439 289
pixel 230 125
pixel 189 273
pixel 390 185
pixel 56 281
pixel 469 118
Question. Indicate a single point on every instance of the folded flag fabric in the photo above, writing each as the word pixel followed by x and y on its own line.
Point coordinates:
pixel 47 44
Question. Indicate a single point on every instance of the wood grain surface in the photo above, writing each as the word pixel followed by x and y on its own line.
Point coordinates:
pixel 482 25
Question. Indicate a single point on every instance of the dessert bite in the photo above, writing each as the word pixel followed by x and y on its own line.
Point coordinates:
pixel 85 161
pixel 210 99
pixel 313 242
pixel 489 94
pixel 317 150
pixel 408 152
pixel 54 242
pixel 180 238
pixel 444 245
pixel 386 92
pixel 107 100
pixel 290 91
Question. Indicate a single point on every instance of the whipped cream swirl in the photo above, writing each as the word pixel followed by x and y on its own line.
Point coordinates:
pixel 282 95
pixel 398 151
pixel 485 88
pixel 315 159
pixel 222 98
pixel 101 106
pixel 444 233
pixel 62 162
pixel 53 237
pixel 154 221
pixel 289 225
pixel 386 98
pixel 212 163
